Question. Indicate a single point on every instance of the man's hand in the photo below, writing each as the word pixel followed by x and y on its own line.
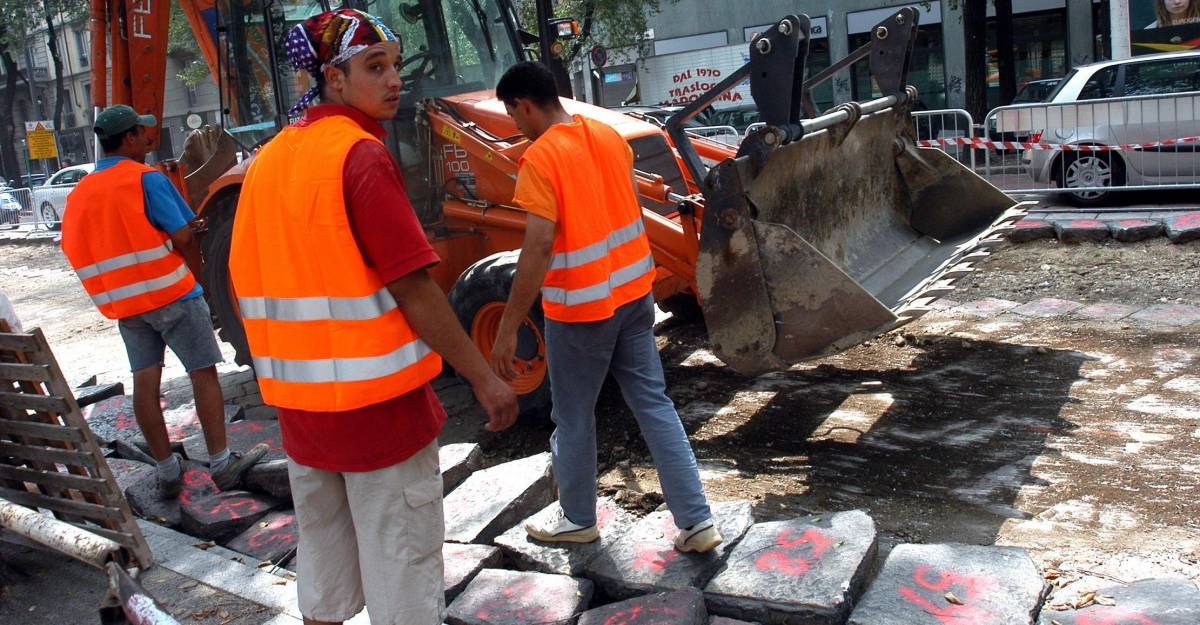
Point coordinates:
pixel 498 401
pixel 504 352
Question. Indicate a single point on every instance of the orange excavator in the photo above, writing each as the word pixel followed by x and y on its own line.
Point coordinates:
pixel 819 231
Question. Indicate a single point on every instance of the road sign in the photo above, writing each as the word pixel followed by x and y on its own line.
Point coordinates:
pixel 599 56
pixel 40 136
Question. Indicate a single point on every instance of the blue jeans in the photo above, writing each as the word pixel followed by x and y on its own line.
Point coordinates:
pixel 580 356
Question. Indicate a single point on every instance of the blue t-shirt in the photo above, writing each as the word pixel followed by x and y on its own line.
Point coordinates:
pixel 165 208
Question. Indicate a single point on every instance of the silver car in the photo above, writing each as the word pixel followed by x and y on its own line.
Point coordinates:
pixel 50 199
pixel 1132 101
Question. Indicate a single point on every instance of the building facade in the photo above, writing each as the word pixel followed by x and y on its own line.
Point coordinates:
pixel 692 40
pixel 76 141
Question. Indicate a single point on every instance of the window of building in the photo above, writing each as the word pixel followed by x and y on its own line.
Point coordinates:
pixel 82 46
pixel 926 72
pixel 694 42
pixel 1039 50
pixel 1160 77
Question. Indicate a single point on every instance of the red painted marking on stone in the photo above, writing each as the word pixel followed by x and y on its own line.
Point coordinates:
pixel 504 606
pixel 1114 616
pixel 195 482
pixel 266 537
pixel 1190 220
pixel 233 509
pixel 604 515
pixel 797 554
pixel 655 560
pixel 1030 223
pixel 970 589
pixel 641 615
pixel 1132 223
pixel 1086 223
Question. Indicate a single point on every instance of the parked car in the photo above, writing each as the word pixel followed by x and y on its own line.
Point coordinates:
pixel 1032 91
pixel 10 208
pixel 29 181
pixel 51 198
pixel 1036 90
pixel 1136 112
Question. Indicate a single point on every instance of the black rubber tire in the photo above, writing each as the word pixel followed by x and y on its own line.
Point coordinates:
pixel 684 307
pixel 215 246
pixel 490 280
pixel 51 224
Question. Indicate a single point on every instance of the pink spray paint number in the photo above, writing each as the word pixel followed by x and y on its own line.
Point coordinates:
pixel 931 596
pixel 794 555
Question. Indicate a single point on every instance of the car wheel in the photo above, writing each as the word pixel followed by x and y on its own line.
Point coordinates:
pixel 1091 170
pixel 49 216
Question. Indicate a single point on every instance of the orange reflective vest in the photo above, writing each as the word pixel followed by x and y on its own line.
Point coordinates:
pixel 324 332
pixel 127 266
pixel 601 257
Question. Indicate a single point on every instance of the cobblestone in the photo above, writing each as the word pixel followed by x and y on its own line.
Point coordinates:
pixel 493 500
pixel 500 597
pixel 564 558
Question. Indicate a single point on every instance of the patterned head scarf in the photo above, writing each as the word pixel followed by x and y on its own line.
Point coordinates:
pixel 328 39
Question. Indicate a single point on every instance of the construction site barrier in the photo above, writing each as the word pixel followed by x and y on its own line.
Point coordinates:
pixel 949 130
pixel 721 134
pixel 16 207
pixel 1091 147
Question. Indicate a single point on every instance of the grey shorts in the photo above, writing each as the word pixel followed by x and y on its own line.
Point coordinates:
pixel 186 326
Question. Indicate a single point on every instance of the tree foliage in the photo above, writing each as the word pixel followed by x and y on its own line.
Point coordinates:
pixel 182 45
pixel 613 24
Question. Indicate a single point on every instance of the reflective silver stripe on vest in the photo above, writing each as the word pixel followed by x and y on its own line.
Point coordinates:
pixel 318 308
pixel 125 260
pixel 141 288
pixel 599 291
pixel 341 369
pixel 599 249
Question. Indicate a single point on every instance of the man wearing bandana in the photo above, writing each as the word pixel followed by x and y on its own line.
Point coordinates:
pixel 346 329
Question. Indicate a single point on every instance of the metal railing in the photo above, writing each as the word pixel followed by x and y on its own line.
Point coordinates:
pixel 42 207
pixel 1092 147
pixel 721 134
pixel 945 128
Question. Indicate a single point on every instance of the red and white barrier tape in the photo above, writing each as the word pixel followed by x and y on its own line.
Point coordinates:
pixel 979 142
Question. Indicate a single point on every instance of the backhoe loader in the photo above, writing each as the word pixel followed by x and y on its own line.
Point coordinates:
pixel 818 232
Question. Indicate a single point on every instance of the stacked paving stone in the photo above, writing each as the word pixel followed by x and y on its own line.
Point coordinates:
pixel 645 560
pixel 808 570
pixel 502 597
pixel 924 584
pixel 1124 227
pixel 492 500
pixel 564 558
pixel 1146 602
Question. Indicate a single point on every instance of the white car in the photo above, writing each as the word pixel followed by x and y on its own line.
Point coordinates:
pixel 50 199
pixel 10 208
pixel 1110 103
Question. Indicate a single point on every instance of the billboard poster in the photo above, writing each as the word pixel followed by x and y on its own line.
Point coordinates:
pixel 1164 25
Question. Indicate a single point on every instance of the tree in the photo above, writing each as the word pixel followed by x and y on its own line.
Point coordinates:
pixel 16 22
pixel 613 24
pixel 181 43
pixel 1004 51
pixel 974 15
pixel 66 12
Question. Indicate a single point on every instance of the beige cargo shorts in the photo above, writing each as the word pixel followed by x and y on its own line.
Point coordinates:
pixel 372 539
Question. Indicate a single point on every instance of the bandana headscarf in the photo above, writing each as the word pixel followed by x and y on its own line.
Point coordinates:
pixel 331 38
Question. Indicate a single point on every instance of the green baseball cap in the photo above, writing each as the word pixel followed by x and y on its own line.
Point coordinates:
pixel 118 118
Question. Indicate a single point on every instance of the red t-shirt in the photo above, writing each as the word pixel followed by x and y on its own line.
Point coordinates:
pixel 394 244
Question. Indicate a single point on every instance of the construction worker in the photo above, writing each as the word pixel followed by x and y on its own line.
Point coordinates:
pixel 586 249
pixel 346 326
pixel 127 233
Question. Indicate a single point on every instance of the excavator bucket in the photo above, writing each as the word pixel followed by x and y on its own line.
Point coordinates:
pixel 828 232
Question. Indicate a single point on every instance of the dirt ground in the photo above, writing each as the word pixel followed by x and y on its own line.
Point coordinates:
pixel 1077 440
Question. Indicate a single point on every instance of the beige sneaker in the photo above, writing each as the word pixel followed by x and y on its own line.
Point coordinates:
pixel 699 538
pixel 559 529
